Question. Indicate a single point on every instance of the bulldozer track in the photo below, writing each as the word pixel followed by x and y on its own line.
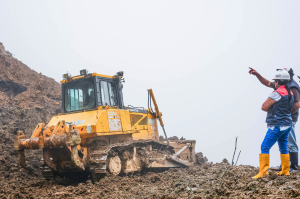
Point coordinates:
pixel 97 161
pixel 47 172
pixel 133 156
pixel 116 159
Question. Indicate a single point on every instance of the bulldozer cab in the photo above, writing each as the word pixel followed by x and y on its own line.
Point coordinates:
pixel 89 91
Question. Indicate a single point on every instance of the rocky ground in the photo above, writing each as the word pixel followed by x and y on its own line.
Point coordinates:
pixel 28 98
pixel 209 180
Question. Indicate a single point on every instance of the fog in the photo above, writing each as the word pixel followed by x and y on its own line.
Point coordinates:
pixel 193 54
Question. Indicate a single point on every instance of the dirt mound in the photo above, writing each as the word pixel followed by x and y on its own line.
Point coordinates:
pixel 200 159
pixel 219 180
pixel 161 138
pixel 23 87
pixel 27 98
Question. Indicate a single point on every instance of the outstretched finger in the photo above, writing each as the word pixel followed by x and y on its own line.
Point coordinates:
pixel 251 70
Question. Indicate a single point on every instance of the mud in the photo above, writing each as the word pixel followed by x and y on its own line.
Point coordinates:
pixel 209 180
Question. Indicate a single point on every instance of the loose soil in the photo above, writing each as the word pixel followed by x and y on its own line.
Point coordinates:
pixel 28 98
pixel 209 180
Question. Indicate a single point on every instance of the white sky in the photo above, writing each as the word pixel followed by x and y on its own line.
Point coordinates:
pixel 194 55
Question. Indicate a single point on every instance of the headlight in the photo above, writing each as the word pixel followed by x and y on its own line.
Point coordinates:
pixel 83 72
pixel 66 76
pixel 120 73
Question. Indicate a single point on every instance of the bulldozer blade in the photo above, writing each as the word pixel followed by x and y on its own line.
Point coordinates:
pixel 22 161
pixel 47 160
pixel 180 161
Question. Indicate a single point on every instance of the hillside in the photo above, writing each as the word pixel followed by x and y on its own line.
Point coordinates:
pixel 26 99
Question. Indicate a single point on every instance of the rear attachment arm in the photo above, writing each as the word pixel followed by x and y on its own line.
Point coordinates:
pixel 158 114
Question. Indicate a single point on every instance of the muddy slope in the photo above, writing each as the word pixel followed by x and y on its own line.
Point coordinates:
pixel 26 99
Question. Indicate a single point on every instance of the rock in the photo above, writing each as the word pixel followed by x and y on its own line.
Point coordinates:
pixel 60 193
pixel 288 188
pixel 200 159
pixel 196 190
pixel 225 161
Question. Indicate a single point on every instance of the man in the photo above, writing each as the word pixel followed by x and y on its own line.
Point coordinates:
pixel 279 121
pixel 292 144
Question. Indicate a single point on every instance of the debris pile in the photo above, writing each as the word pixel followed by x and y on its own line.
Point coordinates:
pixel 161 138
pixel 200 159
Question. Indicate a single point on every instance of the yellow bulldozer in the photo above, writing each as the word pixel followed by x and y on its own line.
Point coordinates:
pixel 95 133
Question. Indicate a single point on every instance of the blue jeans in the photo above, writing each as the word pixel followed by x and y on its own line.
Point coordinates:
pixel 292 145
pixel 273 135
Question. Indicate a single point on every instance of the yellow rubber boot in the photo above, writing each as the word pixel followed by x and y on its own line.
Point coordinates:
pixel 285 162
pixel 264 160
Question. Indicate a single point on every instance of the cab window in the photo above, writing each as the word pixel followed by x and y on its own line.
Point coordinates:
pixel 107 94
pixel 79 95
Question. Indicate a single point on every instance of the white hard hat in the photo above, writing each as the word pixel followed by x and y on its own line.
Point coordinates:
pixel 282 75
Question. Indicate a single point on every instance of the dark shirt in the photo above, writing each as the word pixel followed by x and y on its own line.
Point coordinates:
pixel 296 98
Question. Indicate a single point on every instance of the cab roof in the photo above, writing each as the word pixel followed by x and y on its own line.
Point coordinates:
pixel 88 75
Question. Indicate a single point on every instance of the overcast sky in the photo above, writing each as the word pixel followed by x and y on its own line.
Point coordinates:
pixel 193 54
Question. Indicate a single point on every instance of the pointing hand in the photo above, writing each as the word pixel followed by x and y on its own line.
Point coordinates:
pixel 252 71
